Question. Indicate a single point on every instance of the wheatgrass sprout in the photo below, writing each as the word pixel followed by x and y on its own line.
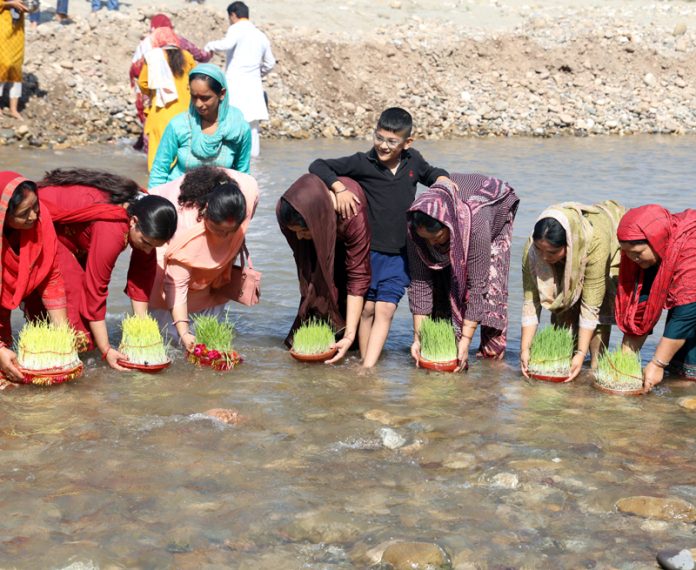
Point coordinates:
pixel 314 336
pixel 620 370
pixel 437 340
pixel 552 351
pixel 142 341
pixel 42 345
pixel 214 334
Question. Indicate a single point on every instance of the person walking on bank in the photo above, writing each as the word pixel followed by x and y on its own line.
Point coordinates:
pixel 12 50
pixel 249 57
pixel 110 4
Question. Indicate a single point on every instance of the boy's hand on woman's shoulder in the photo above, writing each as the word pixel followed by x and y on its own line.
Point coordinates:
pixel 346 202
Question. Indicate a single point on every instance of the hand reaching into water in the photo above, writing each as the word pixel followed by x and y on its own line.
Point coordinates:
pixel 652 376
pixel 342 345
pixel 576 365
pixel 188 341
pixel 9 365
pixel 415 350
pixel 524 362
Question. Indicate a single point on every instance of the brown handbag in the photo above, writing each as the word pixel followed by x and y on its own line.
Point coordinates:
pixel 245 282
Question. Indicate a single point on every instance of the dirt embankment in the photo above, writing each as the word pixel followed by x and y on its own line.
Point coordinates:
pixel 576 73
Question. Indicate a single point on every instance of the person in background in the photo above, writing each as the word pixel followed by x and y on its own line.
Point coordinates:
pixel 110 4
pixel 97 215
pixel 570 266
pixel 332 256
pixel 61 13
pixel 164 80
pixel 157 21
pixel 459 237
pixel 658 271
pixel 28 262
pixel 248 57
pixel 12 51
pixel 215 207
pixel 211 132
pixel 388 175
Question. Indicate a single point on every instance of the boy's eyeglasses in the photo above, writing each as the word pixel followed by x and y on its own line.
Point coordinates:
pixel 391 143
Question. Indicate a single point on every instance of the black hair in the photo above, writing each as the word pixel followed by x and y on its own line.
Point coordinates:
pixel 119 188
pixel 18 195
pixel 289 216
pixel 224 203
pixel 240 9
pixel 198 182
pixel 396 120
pixel 635 241
pixel 156 215
pixel 550 230
pixel 175 57
pixel 213 83
pixel 419 219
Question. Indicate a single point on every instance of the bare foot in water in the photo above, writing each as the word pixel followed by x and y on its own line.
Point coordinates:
pixel 226 416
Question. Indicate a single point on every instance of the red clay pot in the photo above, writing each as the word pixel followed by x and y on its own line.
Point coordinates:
pixel 148 368
pixel 446 366
pixel 544 378
pixel 617 392
pixel 51 376
pixel 314 357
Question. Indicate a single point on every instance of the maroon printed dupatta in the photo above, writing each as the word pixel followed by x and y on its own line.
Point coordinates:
pixel 454 206
pixel 321 280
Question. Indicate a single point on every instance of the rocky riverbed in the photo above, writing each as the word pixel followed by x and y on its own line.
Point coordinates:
pixel 573 70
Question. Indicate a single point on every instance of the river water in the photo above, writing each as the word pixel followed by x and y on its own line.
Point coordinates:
pixel 122 470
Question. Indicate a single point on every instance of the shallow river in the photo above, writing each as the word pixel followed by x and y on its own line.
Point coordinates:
pixel 122 471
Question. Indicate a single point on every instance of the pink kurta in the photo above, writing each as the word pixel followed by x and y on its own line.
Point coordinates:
pixel 195 263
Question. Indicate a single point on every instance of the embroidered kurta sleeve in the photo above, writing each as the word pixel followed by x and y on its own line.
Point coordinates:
pixel 595 283
pixel 141 275
pixel 420 291
pixel 108 241
pixel 165 156
pixel 176 284
pixel 478 271
pixel 357 241
pixel 531 306
pixel 52 290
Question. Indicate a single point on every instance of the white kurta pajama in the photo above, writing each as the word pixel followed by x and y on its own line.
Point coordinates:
pixel 249 57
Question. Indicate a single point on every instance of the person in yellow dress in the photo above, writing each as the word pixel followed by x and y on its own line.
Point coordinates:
pixel 164 79
pixel 12 50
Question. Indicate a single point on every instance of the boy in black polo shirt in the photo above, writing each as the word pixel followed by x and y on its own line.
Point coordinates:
pixel 389 174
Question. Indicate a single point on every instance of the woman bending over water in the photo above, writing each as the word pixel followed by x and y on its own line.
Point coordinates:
pixel 459 245
pixel 658 271
pixel 570 266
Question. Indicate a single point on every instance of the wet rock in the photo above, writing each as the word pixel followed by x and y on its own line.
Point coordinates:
pixel 391 439
pixel 688 403
pixel 505 481
pixel 415 556
pixel 384 418
pixel 323 527
pixel 459 461
pixel 224 415
pixel 666 509
pixel 676 560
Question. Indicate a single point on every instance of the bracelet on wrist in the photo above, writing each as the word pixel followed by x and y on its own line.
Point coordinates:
pixel 578 351
pixel 339 191
pixel 104 354
pixel 181 321
pixel 660 363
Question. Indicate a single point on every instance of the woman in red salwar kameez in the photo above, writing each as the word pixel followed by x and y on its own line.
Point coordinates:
pixel 29 261
pixel 97 215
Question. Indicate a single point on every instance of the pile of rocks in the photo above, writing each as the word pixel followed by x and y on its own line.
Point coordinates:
pixel 580 73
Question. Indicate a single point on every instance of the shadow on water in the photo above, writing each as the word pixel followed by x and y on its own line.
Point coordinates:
pixel 124 471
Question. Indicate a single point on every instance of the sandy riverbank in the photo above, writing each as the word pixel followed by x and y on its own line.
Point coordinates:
pixel 464 68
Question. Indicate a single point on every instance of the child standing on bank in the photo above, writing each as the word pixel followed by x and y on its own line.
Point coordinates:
pixel 388 174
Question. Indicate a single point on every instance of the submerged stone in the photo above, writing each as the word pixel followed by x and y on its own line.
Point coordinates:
pixel 675 560
pixel 391 439
pixel 415 556
pixel 666 509
pixel 688 403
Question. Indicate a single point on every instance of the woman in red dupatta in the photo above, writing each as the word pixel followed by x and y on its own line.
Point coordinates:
pixel 658 271
pixel 332 255
pixel 29 261
pixel 459 238
pixel 97 215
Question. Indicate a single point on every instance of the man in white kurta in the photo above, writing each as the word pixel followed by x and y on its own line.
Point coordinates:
pixel 249 57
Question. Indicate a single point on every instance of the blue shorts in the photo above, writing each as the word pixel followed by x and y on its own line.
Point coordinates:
pixel 389 277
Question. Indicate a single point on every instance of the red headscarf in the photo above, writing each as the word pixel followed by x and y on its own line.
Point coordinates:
pixel 23 273
pixel 162 37
pixel 673 238
pixel 160 21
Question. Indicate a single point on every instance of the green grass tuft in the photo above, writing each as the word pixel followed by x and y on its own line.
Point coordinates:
pixel 214 334
pixel 552 351
pixel 314 336
pixel 142 340
pixel 437 339
pixel 43 345
pixel 620 370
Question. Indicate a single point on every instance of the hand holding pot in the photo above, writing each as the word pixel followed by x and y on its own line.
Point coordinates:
pixel 112 357
pixel 342 346
pixel 415 350
pixel 9 365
